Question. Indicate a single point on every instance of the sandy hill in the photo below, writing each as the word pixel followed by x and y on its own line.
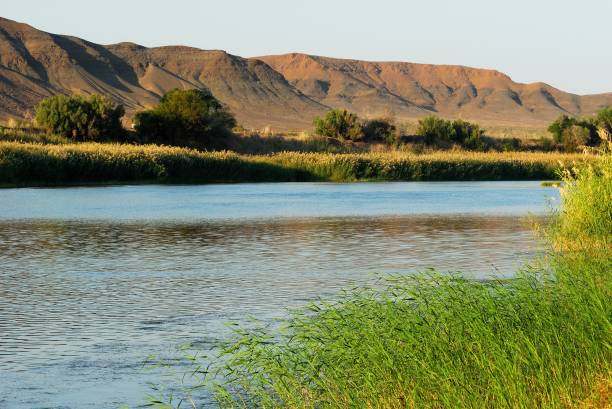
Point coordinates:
pixel 284 91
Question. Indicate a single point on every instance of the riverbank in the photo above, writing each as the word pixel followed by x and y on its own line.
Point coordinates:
pixel 26 164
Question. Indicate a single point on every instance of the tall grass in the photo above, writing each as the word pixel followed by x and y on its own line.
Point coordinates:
pixel 542 339
pixel 37 164
pixel 30 136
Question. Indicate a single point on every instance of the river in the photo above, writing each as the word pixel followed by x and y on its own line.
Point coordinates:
pixel 95 279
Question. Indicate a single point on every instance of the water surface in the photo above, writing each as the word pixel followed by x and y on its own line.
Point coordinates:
pixel 92 280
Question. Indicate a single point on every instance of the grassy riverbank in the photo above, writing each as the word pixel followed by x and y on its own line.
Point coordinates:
pixel 540 340
pixel 26 164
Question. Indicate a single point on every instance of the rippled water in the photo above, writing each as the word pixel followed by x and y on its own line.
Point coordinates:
pixel 92 280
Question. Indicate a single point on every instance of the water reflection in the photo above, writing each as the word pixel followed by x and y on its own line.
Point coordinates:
pixel 82 303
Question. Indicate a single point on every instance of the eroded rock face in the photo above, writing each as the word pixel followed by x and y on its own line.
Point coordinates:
pixel 283 92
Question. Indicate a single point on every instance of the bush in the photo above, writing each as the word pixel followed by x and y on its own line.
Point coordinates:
pixel 575 137
pixel 558 127
pixel 436 130
pixel 379 130
pixel 340 124
pixel 185 117
pixel 571 133
pixel 433 129
pixel 93 118
pixel 603 119
pixel 465 131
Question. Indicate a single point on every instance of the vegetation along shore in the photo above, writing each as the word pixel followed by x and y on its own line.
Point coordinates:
pixel 30 164
pixel 190 137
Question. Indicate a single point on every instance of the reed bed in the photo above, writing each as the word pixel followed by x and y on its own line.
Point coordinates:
pixel 41 164
pixel 542 339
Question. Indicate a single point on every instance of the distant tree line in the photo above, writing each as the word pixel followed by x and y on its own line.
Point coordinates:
pixel 568 133
pixel 344 125
pixel 196 118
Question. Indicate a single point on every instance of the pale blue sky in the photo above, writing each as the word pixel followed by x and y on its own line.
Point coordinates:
pixel 566 43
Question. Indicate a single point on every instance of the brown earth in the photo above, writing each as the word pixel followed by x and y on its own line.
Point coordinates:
pixel 283 92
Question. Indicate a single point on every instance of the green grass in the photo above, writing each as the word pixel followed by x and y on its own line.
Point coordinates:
pixel 29 164
pixel 542 339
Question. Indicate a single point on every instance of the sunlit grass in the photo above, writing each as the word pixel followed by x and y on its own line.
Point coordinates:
pixel 33 164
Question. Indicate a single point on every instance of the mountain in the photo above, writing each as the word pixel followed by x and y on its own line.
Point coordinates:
pixel 407 90
pixel 283 91
pixel 35 64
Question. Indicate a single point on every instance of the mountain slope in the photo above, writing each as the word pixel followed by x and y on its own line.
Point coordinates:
pixel 284 91
pixel 408 90
pixel 35 64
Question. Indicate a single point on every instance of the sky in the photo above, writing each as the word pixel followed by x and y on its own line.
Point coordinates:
pixel 565 43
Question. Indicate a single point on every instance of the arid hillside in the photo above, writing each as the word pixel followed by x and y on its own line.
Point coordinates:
pixel 284 92
pixel 407 90
pixel 35 64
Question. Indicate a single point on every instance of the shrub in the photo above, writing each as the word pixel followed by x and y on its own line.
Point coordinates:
pixel 464 131
pixel 436 130
pixel 80 118
pixel 185 117
pixel 558 127
pixel 603 119
pixel 433 129
pixel 575 137
pixel 566 133
pixel 379 130
pixel 340 124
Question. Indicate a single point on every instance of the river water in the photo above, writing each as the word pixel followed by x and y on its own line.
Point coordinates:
pixel 95 279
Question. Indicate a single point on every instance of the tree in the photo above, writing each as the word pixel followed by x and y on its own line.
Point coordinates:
pixel 571 133
pixel 185 117
pixel 81 118
pixel 603 119
pixel 106 119
pixel 433 129
pixel 558 127
pixel 464 132
pixel 339 124
pixel 379 130
pixel 574 137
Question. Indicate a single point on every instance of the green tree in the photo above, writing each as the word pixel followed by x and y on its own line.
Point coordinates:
pixel 560 125
pixel 339 124
pixel 604 119
pixel 571 133
pixel 466 133
pixel 379 130
pixel 81 118
pixel 433 129
pixel 575 137
pixel 185 117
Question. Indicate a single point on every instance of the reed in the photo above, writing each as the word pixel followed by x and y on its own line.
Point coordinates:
pixel 42 164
